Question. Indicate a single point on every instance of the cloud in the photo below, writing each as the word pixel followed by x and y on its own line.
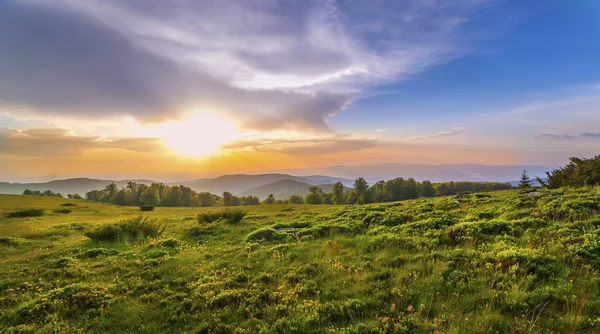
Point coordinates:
pixel 62 143
pixel 268 64
pixel 561 137
pixel 452 132
pixel 555 136
pixel 335 144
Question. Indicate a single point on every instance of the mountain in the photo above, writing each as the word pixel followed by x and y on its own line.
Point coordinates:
pixel 236 183
pixel 434 173
pixel 283 189
pixel 69 186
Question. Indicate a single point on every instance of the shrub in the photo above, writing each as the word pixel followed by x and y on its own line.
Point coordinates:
pixel 12 241
pixel 147 207
pixel 231 216
pixel 134 229
pixel 62 210
pixel 68 204
pixel 26 213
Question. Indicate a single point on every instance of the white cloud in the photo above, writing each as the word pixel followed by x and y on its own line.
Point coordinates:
pixel 270 64
pixel 452 132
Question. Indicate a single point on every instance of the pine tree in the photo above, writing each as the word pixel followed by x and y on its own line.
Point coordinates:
pixel 525 181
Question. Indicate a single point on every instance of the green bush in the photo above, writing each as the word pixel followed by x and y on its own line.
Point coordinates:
pixel 12 241
pixel 231 216
pixel 68 204
pixel 26 213
pixel 62 210
pixel 134 229
pixel 147 207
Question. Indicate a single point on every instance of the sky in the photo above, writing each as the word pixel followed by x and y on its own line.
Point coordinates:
pixel 187 89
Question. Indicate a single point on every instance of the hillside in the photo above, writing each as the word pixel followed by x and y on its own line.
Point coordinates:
pixel 283 189
pixel 500 262
pixel 68 186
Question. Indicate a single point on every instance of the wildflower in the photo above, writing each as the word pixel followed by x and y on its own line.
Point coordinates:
pixel 393 306
pixel 318 292
pixel 410 308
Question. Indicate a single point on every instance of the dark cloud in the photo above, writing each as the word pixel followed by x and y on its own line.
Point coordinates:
pixel 591 134
pixel 152 59
pixel 338 143
pixel 555 136
pixel 61 142
pixel 59 63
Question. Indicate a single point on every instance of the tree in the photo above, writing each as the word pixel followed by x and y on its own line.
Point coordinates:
pixel 337 196
pixel 295 199
pixel 119 198
pixel 360 187
pixel 525 181
pixel 427 189
pixel 314 196
pixel 173 197
pixel 28 192
pixel 227 198
pixel 206 199
pixel 110 191
pixel 150 196
pixel 77 196
pixel 270 199
pixel 379 193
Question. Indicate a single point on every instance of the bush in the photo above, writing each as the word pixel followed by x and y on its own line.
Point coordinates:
pixel 231 216
pixel 62 210
pixel 147 207
pixel 68 204
pixel 134 229
pixel 26 213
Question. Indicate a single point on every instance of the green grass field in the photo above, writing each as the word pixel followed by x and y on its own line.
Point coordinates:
pixel 498 263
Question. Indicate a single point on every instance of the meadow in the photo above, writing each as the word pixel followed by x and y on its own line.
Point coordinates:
pixel 497 262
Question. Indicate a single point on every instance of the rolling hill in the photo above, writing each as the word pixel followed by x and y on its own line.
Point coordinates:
pixel 283 189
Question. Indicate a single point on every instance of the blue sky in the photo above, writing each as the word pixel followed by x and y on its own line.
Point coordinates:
pixel 285 84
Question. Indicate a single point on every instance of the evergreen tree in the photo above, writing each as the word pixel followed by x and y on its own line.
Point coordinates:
pixel 525 181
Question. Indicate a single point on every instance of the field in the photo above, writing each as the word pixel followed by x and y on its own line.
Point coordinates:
pixel 495 262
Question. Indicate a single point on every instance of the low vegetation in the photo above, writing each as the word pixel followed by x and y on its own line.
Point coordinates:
pixel 231 216
pixel 26 213
pixel 135 229
pixel 508 262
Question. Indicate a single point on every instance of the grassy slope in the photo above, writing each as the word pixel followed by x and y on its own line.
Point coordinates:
pixel 508 263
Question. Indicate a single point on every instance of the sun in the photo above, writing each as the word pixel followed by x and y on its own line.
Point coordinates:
pixel 199 135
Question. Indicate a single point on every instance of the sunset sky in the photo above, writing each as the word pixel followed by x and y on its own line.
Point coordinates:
pixel 173 90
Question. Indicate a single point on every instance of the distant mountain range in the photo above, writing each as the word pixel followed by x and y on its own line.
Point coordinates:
pixel 434 173
pixel 280 184
pixel 283 185
pixel 283 189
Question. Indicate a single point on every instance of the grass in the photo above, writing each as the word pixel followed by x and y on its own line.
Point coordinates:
pixel 507 263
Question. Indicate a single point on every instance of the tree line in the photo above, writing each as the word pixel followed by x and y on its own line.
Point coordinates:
pixel 398 189
pixel 49 193
pixel 578 172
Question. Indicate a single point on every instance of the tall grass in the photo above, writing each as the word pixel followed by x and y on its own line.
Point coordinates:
pixel 135 229
pixel 231 216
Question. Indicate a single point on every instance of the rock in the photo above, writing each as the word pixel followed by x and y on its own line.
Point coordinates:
pixel 287 229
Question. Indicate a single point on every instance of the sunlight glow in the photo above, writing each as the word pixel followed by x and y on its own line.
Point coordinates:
pixel 199 135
